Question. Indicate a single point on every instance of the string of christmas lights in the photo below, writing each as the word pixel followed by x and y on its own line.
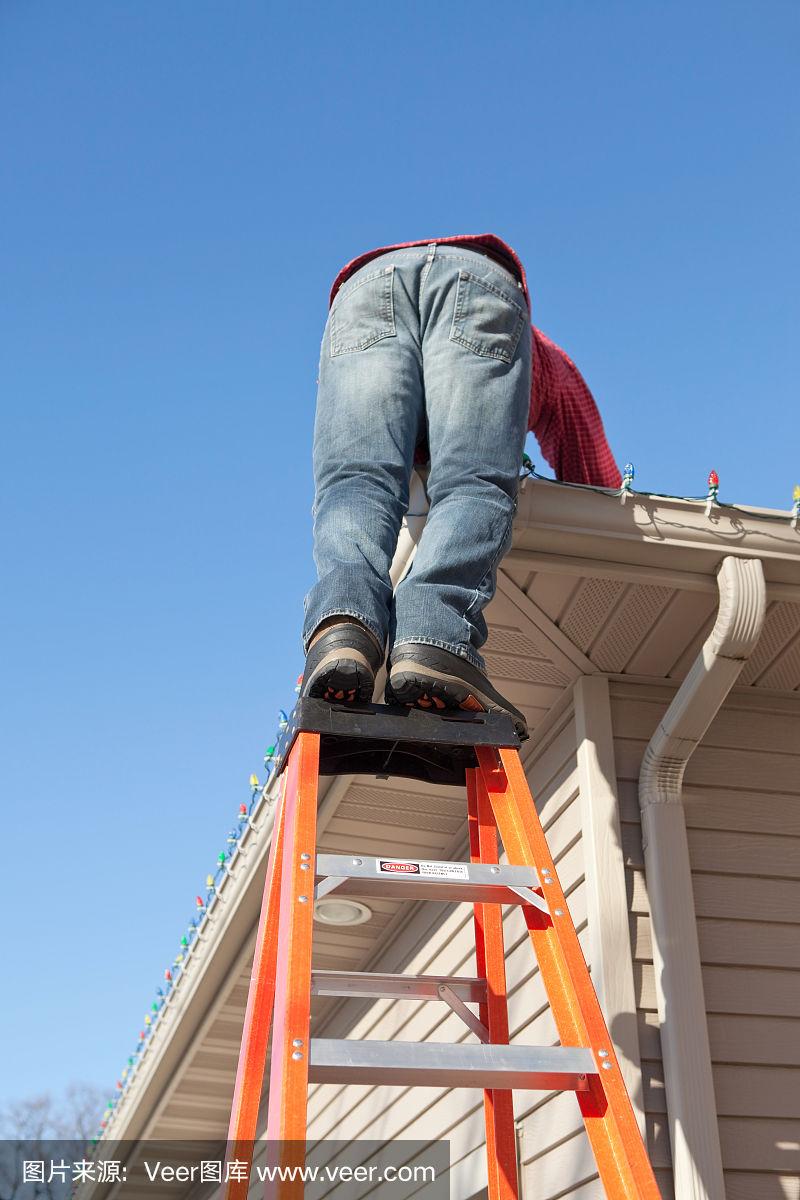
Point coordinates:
pixel 710 500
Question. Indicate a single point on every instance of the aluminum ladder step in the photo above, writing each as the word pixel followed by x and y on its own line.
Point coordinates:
pixel 425 879
pixel 384 985
pixel 445 1064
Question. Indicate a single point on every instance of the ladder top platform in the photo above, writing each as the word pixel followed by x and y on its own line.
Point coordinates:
pixel 383 740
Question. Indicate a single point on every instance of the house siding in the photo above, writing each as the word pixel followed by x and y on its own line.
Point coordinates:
pixel 741 798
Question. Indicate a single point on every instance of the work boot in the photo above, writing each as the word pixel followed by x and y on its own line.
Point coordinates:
pixel 341 664
pixel 434 679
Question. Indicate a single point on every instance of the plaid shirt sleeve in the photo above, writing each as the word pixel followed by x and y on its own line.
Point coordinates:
pixel 566 420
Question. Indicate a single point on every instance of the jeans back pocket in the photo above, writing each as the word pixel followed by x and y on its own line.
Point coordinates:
pixel 485 320
pixel 364 313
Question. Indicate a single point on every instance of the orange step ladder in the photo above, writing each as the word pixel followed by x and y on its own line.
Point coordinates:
pixel 480 750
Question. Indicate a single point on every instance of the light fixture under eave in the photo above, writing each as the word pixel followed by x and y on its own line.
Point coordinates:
pixel 335 911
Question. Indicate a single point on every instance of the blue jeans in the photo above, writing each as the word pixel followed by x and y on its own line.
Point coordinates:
pixel 424 343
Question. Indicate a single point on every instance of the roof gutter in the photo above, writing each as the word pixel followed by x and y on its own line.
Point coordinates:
pixel 691 1105
pixel 558 519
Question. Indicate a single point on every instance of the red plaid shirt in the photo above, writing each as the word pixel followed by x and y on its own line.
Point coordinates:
pixel 563 413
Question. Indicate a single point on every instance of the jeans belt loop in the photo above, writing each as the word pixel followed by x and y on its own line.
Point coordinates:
pixel 428 264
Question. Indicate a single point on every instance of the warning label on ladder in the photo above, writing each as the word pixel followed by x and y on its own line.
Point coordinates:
pixel 426 870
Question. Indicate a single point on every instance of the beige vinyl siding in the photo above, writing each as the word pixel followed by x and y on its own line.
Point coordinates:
pixel 402 817
pixel 742 806
pixel 445 945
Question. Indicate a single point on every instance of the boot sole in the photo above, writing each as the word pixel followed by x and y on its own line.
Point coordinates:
pixel 342 677
pixel 415 685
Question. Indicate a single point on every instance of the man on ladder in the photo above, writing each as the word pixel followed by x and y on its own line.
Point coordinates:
pixel 428 351
pixel 426 343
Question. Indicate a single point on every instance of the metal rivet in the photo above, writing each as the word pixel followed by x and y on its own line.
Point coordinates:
pixel 559 912
pixel 495 870
pixel 304 867
pixel 602 1054
pixel 297 1054
pixel 305 857
pixel 297 1042
pixel 302 899
pixel 607 1066
pixel 356 862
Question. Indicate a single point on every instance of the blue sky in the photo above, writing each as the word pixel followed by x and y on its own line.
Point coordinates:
pixel 180 184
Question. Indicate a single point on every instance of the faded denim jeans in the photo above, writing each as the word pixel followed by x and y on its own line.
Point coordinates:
pixel 424 343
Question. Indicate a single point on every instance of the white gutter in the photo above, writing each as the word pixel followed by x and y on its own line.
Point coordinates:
pixel 566 519
pixel 691 1105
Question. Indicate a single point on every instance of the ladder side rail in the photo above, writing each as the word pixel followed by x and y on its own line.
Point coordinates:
pixel 288 1082
pixel 498 1105
pixel 258 1016
pixel 608 1115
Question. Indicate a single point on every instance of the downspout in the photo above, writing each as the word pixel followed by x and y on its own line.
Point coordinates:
pixel 691 1105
